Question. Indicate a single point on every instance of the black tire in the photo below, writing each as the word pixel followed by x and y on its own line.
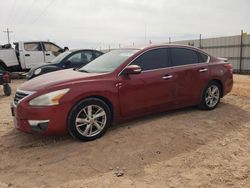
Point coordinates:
pixel 204 105
pixel 77 111
pixel 7 89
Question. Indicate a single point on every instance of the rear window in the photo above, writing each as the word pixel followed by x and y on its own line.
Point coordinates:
pixel 183 56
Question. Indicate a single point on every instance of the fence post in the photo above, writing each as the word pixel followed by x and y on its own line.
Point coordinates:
pixel 241 50
pixel 200 41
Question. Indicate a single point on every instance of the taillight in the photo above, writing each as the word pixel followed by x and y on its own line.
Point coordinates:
pixel 229 67
pixel 6 77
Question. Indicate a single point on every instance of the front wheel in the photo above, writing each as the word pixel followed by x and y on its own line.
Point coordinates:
pixel 211 96
pixel 89 119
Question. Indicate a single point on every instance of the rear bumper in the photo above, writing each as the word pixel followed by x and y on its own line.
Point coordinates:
pixel 51 120
pixel 228 86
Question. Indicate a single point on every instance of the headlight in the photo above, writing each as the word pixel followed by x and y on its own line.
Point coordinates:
pixel 49 99
pixel 38 71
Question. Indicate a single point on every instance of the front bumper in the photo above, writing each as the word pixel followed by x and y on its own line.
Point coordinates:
pixel 47 120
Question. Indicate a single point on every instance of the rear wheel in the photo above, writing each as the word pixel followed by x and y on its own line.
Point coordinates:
pixel 211 96
pixel 89 119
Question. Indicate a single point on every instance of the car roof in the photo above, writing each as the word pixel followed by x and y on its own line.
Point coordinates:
pixel 143 47
pixel 152 46
pixel 74 50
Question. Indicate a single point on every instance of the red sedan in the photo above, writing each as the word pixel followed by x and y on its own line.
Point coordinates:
pixel 120 85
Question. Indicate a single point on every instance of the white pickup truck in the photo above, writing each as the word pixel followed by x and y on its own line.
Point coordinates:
pixel 25 55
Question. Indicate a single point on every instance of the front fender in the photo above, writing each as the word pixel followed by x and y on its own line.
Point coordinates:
pixel 106 90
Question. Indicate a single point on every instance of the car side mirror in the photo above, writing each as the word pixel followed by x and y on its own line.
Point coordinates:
pixel 132 69
pixel 65 49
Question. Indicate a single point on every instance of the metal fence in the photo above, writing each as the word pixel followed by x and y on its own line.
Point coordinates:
pixel 235 48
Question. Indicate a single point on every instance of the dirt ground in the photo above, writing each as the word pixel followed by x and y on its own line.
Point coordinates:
pixel 183 148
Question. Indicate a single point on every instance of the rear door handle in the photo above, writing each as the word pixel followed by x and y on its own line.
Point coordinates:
pixel 27 54
pixel 166 77
pixel 203 70
pixel 47 54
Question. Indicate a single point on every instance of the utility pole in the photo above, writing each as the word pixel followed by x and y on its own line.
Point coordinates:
pixel 241 50
pixel 8 34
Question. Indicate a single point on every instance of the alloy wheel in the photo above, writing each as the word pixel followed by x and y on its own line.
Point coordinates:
pixel 91 120
pixel 212 96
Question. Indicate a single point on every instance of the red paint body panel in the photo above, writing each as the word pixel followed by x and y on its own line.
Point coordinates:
pixel 130 96
pixel 142 93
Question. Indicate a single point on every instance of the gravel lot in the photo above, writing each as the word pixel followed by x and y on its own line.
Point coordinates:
pixel 183 148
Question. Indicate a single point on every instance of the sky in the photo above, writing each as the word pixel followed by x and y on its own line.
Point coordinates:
pixel 102 24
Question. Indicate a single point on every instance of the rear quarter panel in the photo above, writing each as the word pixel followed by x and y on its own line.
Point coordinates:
pixel 218 71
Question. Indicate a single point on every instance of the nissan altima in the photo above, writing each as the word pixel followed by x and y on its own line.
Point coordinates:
pixel 120 85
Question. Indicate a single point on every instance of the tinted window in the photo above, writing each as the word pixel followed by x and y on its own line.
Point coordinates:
pixel 203 57
pixel 182 56
pixel 32 46
pixel 96 54
pixel 76 58
pixel 87 57
pixel 60 57
pixel 153 59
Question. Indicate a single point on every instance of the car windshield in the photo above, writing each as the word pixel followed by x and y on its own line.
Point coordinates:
pixel 60 57
pixel 109 61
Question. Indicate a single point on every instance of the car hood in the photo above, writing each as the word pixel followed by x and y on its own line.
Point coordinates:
pixel 32 70
pixel 57 78
pixel 42 65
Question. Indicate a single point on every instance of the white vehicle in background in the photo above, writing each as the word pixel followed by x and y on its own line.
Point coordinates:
pixel 26 55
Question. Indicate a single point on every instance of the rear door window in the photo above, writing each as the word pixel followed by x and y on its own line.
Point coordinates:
pixel 183 56
pixel 153 59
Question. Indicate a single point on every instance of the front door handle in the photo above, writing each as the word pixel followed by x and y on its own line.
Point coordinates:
pixel 166 77
pixel 203 70
pixel 47 54
pixel 27 55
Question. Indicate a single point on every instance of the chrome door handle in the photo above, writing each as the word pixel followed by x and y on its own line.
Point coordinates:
pixel 167 77
pixel 203 70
